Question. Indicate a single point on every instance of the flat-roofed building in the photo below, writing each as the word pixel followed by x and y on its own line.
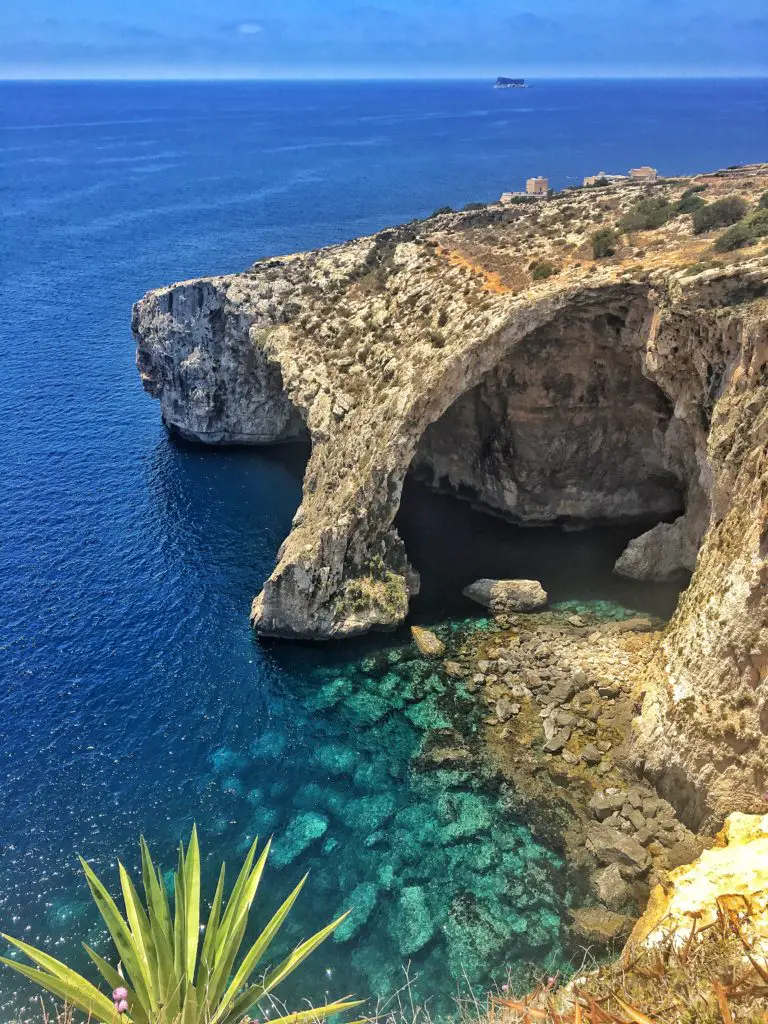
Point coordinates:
pixel 644 174
pixel 537 186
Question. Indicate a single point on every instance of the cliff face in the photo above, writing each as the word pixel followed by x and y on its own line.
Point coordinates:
pixel 612 389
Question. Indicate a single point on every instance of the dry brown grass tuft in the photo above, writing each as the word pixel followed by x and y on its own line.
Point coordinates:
pixel 711 975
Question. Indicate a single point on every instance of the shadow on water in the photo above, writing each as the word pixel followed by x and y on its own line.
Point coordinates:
pixel 452 544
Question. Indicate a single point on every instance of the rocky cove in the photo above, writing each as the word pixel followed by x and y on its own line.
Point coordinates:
pixel 611 391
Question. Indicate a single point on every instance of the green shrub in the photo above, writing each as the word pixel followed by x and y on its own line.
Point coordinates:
pixel 604 243
pixel 762 202
pixel 745 232
pixel 758 222
pixel 719 214
pixel 473 206
pixel 542 270
pixel 736 237
pixel 689 202
pixel 442 209
pixel 649 213
pixel 167 973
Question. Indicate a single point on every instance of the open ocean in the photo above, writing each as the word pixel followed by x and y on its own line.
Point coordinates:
pixel 133 696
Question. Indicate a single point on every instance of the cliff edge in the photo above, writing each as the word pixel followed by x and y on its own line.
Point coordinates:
pixel 493 355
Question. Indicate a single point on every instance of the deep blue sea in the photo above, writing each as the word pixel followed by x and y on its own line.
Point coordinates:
pixel 133 697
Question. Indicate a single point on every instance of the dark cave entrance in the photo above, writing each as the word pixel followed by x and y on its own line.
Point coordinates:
pixel 566 434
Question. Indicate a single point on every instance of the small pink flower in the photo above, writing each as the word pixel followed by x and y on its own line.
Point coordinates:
pixel 122 1006
pixel 505 988
pixel 120 994
pixel 551 982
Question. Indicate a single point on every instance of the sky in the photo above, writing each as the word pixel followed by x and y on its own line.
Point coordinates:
pixel 390 38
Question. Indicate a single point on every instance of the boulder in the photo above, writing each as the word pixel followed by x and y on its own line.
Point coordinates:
pixel 429 645
pixel 413 923
pixel 610 888
pixel 591 755
pixel 613 847
pixel 600 926
pixel 556 744
pixel 507 595
pixel 506 709
pixel 454 669
pixel 603 805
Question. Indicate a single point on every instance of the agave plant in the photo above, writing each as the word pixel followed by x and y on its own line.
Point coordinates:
pixel 168 976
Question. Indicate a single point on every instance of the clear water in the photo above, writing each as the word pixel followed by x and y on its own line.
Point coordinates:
pixel 133 697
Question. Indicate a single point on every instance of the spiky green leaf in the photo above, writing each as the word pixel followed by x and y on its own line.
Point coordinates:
pixel 120 932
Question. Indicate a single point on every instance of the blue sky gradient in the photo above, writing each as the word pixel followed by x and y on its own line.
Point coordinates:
pixel 391 38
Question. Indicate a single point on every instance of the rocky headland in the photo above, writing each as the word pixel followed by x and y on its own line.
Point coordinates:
pixel 501 355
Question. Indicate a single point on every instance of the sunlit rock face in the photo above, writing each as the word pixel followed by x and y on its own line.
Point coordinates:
pixel 734 870
pixel 197 358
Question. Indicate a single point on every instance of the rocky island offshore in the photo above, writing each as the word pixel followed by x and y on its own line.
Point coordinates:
pixel 601 357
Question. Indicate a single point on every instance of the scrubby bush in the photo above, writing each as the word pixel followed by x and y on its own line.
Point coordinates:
pixel 440 210
pixel 604 243
pixel 763 201
pixel 719 214
pixel 745 232
pixel 542 270
pixel 689 202
pixel 736 237
pixel 473 206
pixel 649 213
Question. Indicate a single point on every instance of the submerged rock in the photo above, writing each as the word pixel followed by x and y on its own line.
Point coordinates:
pixel 361 904
pixel 413 922
pixel 429 645
pixel 502 596
pixel 301 832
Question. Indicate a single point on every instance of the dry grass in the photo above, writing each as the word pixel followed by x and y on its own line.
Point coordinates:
pixel 710 975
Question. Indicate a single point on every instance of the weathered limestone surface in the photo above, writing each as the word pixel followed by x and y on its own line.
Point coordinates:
pixel 507 595
pixel 612 390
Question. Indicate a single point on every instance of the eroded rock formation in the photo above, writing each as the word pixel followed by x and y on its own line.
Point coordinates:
pixel 610 390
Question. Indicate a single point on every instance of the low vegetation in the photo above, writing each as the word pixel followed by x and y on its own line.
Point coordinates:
pixel 543 269
pixel 651 212
pixel 708 975
pixel 719 214
pixel 166 975
pixel 604 242
pixel 745 232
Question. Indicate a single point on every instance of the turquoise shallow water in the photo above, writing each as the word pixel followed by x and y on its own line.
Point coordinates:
pixel 133 697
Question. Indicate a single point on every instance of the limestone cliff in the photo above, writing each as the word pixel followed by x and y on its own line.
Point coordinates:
pixel 490 353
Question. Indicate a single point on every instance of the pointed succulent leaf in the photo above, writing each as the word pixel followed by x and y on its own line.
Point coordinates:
pixel 192 905
pixel 228 945
pixel 209 940
pixel 302 951
pixel 257 950
pixel 142 935
pixel 234 896
pixel 61 981
pixel 154 890
pixel 120 932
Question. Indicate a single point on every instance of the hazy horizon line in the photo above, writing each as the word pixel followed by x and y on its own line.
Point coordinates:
pixel 151 79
